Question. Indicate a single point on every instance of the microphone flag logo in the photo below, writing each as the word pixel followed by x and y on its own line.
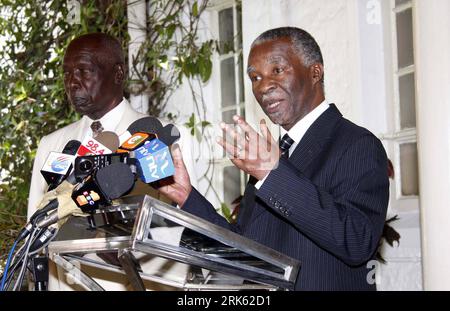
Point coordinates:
pixel 155 161
pixel 58 163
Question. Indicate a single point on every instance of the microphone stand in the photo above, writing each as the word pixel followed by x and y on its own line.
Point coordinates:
pixel 39 266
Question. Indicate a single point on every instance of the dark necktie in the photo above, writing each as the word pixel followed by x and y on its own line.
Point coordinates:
pixel 285 143
pixel 96 128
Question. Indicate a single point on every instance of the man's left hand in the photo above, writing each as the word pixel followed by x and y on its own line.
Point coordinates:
pixel 251 152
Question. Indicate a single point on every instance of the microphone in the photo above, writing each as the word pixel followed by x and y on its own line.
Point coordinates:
pixel 145 125
pixel 151 152
pixel 58 165
pixel 169 134
pixel 104 142
pixel 106 184
pixel 86 165
pixel 154 161
pixel 51 201
pixel 98 189
pixel 135 141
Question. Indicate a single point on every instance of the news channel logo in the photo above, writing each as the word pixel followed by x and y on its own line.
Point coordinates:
pixel 60 164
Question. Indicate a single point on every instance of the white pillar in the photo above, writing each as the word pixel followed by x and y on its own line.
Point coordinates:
pixel 432 54
pixel 137 18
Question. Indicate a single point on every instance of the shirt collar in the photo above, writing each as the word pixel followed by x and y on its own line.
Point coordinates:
pixel 299 129
pixel 112 118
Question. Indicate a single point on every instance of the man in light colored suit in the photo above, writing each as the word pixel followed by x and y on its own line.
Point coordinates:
pixel 94 73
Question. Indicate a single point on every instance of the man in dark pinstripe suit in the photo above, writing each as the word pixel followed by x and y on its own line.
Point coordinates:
pixel 320 196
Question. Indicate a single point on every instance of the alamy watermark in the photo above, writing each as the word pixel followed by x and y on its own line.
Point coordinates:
pixel 372 276
pixel 373 16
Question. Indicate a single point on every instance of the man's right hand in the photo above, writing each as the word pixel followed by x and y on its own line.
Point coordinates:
pixel 179 187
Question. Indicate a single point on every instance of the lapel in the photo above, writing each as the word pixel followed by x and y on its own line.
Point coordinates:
pixel 315 138
pixel 129 116
pixel 76 130
pixel 308 148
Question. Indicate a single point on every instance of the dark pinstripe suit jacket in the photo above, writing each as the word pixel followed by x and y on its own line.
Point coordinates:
pixel 325 205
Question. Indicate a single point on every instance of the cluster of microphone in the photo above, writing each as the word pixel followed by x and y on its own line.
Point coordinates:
pixel 102 169
pixel 88 175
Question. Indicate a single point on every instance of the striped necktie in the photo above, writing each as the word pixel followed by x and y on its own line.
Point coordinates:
pixel 96 128
pixel 285 143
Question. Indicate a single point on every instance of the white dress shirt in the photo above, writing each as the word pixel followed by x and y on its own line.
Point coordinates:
pixel 110 120
pixel 298 131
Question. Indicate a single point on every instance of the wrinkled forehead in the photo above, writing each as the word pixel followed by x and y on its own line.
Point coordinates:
pixel 86 53
pixel 273 44
pixel 272 51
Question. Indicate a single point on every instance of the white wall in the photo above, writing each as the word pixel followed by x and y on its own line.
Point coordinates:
pixel 333 24
pixel 432 53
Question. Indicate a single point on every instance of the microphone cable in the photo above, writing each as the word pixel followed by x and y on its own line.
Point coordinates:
pixel 20 254
pixel 25 261
pixel 5 272
pixel 20 259
pixel 15 263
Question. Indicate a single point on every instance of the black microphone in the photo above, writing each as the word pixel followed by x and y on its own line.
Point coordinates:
pixel 146 125
pixel 106 184
pixel 58 165
pixel 86 165
pixel 169 134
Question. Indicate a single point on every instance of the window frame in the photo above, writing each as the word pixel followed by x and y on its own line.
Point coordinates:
pixel 399 136
pixel 223 162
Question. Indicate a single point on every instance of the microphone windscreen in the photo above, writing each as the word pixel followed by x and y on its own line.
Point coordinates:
pixel 115 180
pixel 109 139
pixel 71 147
pixel 146 125
pixel 169 134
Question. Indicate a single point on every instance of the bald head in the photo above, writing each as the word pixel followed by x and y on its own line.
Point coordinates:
pixel 94 73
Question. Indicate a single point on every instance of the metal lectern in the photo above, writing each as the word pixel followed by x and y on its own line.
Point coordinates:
pixel 218 259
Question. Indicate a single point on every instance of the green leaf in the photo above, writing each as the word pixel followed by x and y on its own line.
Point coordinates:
pixel 171 30
pixel 195 9
pixel 225 211
pixel 192 120
pixel 205 70
pixel 198 135
pixel 205 124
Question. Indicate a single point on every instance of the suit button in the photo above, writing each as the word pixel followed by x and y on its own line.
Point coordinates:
pixel 277 204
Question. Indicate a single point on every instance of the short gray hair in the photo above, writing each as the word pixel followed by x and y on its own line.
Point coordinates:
pixel 304 44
